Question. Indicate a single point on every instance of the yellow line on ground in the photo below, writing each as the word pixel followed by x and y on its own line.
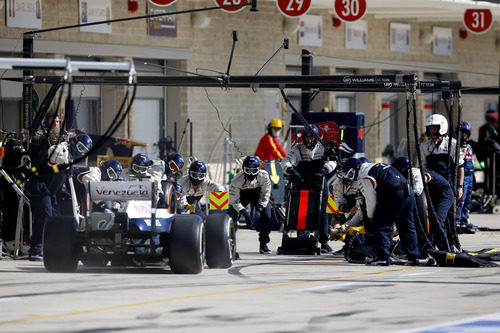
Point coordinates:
pixel 182 298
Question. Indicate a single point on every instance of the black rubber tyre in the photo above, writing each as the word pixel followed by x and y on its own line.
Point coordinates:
pixel 221 241
pixel 60 248
pixel 187 244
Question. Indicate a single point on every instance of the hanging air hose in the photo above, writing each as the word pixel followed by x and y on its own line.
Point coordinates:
pixel 411 92
pixel 431 209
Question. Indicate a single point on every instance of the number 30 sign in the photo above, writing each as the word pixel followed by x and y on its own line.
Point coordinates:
pixel 350 10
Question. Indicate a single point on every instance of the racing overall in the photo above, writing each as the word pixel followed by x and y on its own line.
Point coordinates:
pixel 435 157
pixel 255 192
pixel 442 200
pixel 389 200
pixel 465 201
pixel 192 196
pixel 310 165
pixel 42 190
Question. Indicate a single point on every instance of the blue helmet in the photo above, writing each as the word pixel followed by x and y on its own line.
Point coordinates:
pixel 175 163
pixel 80 145
pixel 140 164
pixel 197 172
pixel 110 170
pixel 402 164
pixel 251 167
pixel 466 128
pixel 308 137
pixel 364 160
pixel 350 169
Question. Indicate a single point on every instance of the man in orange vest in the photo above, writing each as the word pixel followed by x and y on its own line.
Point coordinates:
pixel 269 147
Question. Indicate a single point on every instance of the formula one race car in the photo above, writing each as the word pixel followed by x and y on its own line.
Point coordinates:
pixel 137 234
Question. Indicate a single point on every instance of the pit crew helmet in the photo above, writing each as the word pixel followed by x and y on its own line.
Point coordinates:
pixel 363 160
pixel 197 172
pixel 111 170
pixel 251 167
pixel 140 164
pixel 491 116
pixel 308 137
pixel 275 123
pixel 175 163
pixel 402 164
pixel 80 145
pixel 350 170
pixel 438 119
pixel 466 128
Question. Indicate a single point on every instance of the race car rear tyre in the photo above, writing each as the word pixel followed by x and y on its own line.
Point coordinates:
pixel 221 241
pixel 187 244
pixel 60 244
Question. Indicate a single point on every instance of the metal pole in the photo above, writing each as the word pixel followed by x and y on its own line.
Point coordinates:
pixel 27 85
pixel 307 66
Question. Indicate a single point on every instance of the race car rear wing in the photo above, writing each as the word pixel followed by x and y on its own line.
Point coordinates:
pixel 122 191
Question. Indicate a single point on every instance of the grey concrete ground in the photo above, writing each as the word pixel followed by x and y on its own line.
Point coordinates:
pixel 260 293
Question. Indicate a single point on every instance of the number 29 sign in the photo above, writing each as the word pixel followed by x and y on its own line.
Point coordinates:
pixel 293 8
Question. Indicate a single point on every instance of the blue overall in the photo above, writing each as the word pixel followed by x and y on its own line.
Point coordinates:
pixel 442 200
pixel 42 190
pixel 251 196
pixel 395 202
pixel 465 201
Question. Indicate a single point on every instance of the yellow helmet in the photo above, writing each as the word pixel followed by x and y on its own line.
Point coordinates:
pixel 275 123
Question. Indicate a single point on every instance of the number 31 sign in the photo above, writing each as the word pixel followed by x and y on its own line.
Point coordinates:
pixel 478 20
pixel 350 10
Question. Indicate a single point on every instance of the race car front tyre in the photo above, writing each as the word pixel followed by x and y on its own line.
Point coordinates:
pixel 60 244
pixel 221 241
pixel 187 244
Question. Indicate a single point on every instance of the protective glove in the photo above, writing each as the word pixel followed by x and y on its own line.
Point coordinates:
pixel 58 154
pixel 258 212
pixel 245 214
pixel 295 176
pixel 190 208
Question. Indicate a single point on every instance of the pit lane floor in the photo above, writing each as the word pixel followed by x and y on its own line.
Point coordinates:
pixel 260 293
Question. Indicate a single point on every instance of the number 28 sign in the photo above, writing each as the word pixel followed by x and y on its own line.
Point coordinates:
pixel 236 3
pixel 478 20
pixel 350 10
pixel 293 8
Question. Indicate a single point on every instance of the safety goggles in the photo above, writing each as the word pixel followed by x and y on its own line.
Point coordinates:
pixel 112 174
pixel 139 168
pixel 173 166
pixel 197 175
pixel 251 171
pixel 82 149
pixel 351 174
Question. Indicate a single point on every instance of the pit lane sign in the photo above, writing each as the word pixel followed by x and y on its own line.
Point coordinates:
pixel 293 8
pixel 162 2
pixel 350 10
pixel 231 3
pixel 478 21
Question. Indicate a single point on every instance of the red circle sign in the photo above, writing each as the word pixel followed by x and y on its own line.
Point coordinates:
pixel 478 21
pixel 350 10
pixel 293 8
pixel 163 2
pixel 221 3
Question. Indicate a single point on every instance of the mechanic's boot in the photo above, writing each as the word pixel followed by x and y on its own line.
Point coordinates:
pixel 378 262
pixel 325 248
pixel 263 249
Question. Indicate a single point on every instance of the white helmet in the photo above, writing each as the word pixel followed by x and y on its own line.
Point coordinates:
pixel 437 119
